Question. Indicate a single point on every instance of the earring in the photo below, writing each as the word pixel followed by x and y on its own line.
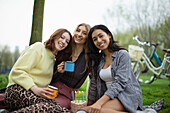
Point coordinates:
pixel 100 51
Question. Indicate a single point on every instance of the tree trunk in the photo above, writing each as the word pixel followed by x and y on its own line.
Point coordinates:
pixel 37 23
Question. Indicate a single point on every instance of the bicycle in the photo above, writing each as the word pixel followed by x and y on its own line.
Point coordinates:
pixel 153 56
pixel 139 59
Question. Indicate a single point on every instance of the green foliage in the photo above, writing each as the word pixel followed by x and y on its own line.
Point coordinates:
pixel 3 80
pixel 7 57
pixel 164 31
pixel 124 39
pixel 139 19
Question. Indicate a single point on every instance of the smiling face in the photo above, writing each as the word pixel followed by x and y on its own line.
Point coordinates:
pixel 80 35
pixel 62 41
pixel 101 39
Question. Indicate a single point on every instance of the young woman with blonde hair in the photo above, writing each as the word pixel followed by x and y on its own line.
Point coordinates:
pixel 70 81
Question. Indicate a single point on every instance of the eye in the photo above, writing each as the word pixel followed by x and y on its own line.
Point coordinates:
pixel 78 30
pixel 101 36
pixel 67 41
pixel 94 39
pixel 62 37
pixel 84 33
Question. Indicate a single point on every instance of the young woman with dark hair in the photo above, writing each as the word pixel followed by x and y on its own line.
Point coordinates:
pixel 113 86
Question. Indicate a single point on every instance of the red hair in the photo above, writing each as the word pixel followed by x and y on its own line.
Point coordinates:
pixel 61 55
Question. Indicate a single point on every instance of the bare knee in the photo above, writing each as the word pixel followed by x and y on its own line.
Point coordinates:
pixel 114 104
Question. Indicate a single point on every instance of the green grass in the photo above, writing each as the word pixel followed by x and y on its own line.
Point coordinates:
pixel 83 88
pixel 151 92
pixel 155 91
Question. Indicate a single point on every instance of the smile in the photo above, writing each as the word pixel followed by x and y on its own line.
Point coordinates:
pixel 61 45
pixel 78 38
pixel 101 45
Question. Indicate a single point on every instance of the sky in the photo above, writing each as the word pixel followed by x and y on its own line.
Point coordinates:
pixel 16 18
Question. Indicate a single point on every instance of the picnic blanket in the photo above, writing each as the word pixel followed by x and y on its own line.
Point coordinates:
pixel 2 93
pixel 156 105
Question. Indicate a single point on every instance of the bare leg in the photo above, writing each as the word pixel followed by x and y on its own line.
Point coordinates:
pixel 104 110
pixel 110 111
pixel 112 106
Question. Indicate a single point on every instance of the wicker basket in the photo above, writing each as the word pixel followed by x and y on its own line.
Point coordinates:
pixel 77 106
pixel 135 52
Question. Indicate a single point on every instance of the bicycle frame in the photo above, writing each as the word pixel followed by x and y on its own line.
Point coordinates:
pixel 162 69
pixel 155 56
pixel 155 70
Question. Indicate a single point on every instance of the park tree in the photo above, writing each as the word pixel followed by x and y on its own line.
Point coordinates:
pixel 149 19
pixel 1 56
pixel 37 22
pixel 16 54
pixel 5 58
pixel 164 31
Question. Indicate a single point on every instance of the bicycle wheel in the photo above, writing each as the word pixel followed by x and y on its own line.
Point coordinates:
pixel 145 70
pixel 142 78
pixel 146 79
pixel 168 70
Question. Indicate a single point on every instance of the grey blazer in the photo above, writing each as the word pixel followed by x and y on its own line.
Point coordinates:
pixel 124 86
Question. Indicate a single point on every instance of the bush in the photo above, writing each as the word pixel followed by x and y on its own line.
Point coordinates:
pixel 3 80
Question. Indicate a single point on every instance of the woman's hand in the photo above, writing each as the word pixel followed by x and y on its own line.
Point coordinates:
pixel 42 91
pixel 95 108
pixel 60 68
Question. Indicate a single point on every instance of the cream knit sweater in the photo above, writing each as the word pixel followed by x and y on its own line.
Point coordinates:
pixel 33 67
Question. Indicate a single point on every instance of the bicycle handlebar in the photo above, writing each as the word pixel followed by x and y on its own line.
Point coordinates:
pixel 155 44
pixel 145 43
pixel 141 43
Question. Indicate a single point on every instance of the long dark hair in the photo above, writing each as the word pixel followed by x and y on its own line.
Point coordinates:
pixel 93 54
pixel 64 54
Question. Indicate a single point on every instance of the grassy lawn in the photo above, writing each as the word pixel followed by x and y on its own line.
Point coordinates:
pixel 155 91
pixel 151 92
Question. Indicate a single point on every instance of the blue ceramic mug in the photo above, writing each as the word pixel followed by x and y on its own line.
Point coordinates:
pixel 69 66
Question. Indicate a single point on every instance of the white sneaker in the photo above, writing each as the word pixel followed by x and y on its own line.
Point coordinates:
pixel 147 110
